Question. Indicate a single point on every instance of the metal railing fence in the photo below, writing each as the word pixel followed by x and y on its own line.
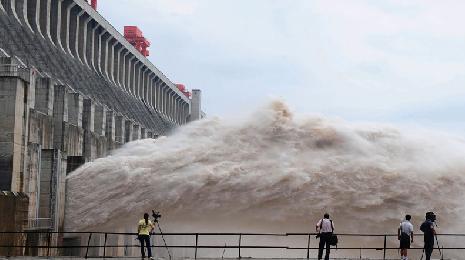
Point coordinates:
pixel 50 243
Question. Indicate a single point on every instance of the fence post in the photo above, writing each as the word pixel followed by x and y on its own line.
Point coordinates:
pixel 384 247
pixel 308 247
pixel 240 239
pixel 49 238
pixel 88 243
pixel 196 244
pixel 105 246
pixel 10 245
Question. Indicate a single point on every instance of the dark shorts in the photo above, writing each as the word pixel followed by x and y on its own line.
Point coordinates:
pixel 404 241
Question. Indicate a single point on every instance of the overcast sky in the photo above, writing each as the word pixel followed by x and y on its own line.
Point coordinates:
pixel 390 61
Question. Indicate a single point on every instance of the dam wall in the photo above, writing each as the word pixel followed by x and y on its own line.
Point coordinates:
pixel 71 90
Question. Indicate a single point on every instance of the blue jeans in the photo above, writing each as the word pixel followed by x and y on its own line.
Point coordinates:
pixel 146 239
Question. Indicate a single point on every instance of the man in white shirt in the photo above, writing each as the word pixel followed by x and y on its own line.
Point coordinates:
pixel 405 235
pixel 325 228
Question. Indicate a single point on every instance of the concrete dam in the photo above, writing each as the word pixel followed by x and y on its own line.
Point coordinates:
pixel 72 88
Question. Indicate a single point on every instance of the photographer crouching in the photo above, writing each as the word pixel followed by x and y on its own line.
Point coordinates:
pixel 144 229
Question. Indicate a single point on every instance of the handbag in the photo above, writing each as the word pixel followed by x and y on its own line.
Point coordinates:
pixel 333 240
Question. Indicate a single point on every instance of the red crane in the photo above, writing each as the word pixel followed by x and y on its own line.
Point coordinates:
pixel 93 3
pixel 184 90
pixel 137 39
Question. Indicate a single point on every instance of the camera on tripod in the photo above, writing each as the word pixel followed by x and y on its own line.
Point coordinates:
pixel 156 215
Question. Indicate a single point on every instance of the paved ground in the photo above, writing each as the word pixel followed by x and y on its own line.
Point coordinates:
pixel 121 258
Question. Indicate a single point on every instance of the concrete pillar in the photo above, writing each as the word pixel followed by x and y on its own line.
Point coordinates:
pixel 163 98
pixel 55 22
pixel 60 26
pixel 13 90
pixel 77 45
pixel 110 132
pixel 100 119
pixel 29 14
pixel 170 104
pixel 196 105
pixel 136 132
pixel 21 12
pixel 44 95
pixel 177 110
pixel 13 11
pixel 186 113
pixel 158 94
pixel 44 18
pixel 182 110
pixel 84 41
pixel 102 37
pixel 88 119
pixel 142 82
pixel 150 92
pixel 94 49
pixel 88 43
pixel 122 69
pixel 143 133
pixel 175 106
pixel 52 187
pixel 60 117
pixel 135 78
pixel 71 27
pixel 75 109
pixel 33 14
pixel 128 130
pixel 65 7
pixel 106 55
pixel 130 74
pixel 88 115
pixel 110 125
pixel 117 65
pixel 111 60
pixel 120 121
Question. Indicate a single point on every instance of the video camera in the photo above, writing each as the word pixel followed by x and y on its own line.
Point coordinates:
pixel 156 215
pixel 431 216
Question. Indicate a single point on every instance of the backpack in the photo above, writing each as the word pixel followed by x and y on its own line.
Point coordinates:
pixel 424 227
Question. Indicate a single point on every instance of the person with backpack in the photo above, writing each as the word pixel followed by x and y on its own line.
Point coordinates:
pixel 325 229
pixel 144 228
pixel 429 233
pixel 405 235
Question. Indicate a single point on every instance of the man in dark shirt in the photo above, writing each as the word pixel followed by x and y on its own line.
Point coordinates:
pixel 428 229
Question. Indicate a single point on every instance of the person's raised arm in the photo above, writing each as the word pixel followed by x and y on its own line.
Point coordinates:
pixel 317 228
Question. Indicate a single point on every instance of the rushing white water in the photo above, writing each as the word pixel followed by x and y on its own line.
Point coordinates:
pixel 274 173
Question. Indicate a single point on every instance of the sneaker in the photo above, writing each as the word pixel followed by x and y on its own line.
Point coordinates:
pixel 151 258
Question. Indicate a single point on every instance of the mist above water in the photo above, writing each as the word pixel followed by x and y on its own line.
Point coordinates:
pixel 272 172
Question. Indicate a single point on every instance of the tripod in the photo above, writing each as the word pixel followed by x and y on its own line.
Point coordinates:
pixel 163 237
pixel 439 248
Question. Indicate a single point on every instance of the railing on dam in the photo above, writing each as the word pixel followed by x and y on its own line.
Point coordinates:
pixel 239 245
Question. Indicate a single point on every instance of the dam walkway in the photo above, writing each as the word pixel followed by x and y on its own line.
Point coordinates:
pixel 40 244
